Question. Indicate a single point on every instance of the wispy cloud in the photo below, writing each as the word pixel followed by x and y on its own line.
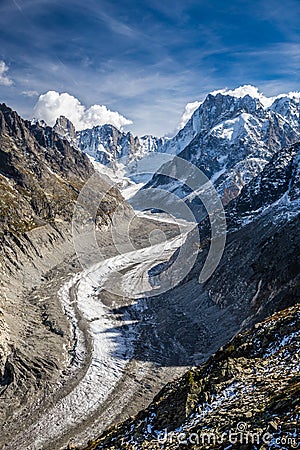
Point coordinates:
pixel 30 93
pixel 4 79
pixel 284 15
pixel 118 26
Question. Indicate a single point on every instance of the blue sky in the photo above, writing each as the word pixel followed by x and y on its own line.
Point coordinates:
pixel 146 59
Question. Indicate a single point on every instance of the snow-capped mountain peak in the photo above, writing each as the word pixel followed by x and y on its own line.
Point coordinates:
pixel 232 136
pixel 108 145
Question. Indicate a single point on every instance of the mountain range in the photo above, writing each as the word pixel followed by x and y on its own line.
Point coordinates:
pixel 107 144
pixel 244 144
pixel 230 138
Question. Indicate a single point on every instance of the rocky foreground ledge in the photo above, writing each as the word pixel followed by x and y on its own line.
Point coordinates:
pixel 245 396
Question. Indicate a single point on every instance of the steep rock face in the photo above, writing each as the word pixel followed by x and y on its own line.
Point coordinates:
pixel 259 271
pixel 41 176
pixel 65 129
pixel 278 182
pixel 108 145
pixel 231 138
pixel 151 143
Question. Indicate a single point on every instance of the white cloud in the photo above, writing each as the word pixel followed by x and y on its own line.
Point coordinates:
pixel 190 108
pixel 53 104
pixel 4 80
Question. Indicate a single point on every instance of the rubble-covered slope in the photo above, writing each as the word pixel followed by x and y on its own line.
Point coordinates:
pixel 41 176
pixel 245 396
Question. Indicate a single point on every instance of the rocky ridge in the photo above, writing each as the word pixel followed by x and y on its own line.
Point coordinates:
pixel 262 244
pixel 107 144
pixel 263 224
pixel 230 137
pixel 41 176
